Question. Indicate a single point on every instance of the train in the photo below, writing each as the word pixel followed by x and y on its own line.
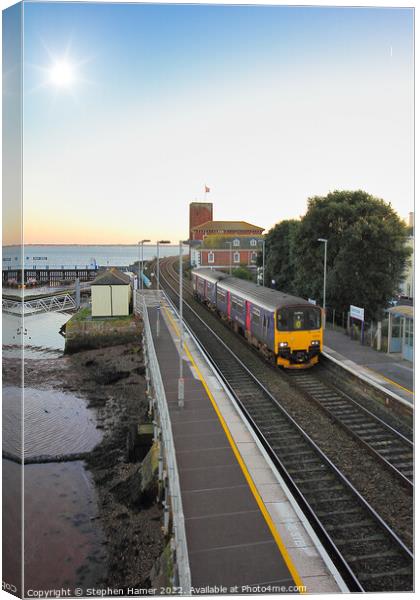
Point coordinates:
pixel 286 329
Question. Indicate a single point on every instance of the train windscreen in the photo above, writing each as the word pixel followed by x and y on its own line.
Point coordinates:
pixel 298 318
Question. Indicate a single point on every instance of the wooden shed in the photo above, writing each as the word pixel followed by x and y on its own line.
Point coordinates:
pixel 111 294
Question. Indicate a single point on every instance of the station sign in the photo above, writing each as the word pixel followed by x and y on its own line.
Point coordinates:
pixel 357 313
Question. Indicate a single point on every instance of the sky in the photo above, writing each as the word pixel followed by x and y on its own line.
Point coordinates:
pixel 267 106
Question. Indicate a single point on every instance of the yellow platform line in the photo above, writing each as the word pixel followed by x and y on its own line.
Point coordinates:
pixel 390 381
pixel 280 544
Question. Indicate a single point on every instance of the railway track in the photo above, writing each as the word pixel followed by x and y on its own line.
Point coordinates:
pixel 367 552
pixel 385 442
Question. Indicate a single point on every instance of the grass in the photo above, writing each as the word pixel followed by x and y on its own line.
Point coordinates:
pixel 82 314
pixel 86 314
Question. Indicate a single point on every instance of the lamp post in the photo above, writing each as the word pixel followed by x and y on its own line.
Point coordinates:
pixel 230 256
pixel 325 242
pixel 158 284
pixel 141 243
pixel 181 393
pixel 157 263
pixel 263 265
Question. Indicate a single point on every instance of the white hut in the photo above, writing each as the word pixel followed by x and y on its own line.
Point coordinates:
pixel 111 294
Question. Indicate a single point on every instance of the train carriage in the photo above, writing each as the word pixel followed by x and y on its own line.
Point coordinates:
pixel 204 284
pixel 285 328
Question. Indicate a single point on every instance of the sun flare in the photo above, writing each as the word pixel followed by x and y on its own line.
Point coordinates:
pixel 62 74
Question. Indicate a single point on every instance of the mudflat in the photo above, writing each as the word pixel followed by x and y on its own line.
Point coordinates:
pixel 111 381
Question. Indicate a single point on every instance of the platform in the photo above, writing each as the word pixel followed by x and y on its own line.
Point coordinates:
pixel 244 532
pixel 388 371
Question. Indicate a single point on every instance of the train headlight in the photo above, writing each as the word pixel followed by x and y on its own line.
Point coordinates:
pixel 315 343
pixel 283 345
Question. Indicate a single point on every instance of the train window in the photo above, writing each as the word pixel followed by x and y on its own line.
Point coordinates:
pixel 221 295
pixel 313 318
pixel 282 320
pixel 289 319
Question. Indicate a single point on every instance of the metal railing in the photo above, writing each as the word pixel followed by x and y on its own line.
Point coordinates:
pixel 141 302
pixel 40 305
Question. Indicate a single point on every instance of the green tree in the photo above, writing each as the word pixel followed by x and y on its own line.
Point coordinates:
pixel 243 273
pixel 367 251
pixel 280 259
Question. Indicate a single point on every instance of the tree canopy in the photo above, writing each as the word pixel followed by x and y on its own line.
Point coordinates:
pixel 280 260
pixel 367 251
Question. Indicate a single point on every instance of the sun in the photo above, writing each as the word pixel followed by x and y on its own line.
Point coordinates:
pixel 62 74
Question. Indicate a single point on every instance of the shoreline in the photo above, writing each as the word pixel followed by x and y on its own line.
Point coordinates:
pixel 111 382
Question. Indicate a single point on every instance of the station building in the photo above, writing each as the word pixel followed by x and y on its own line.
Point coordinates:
pixel 222 244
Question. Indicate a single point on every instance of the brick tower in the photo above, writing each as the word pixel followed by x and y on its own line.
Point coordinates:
pixel 200 212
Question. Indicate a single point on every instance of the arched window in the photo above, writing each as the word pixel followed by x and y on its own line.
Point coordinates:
pixel 236 257
pixel 253 242
pixel 236 243
pixel 210 257
pixel 253 257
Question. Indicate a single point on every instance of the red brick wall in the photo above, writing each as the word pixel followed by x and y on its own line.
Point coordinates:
pixel 200 212
pixel 222 258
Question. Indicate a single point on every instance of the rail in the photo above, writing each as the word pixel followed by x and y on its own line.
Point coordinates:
pixel 49 304
pixel 326 505
pixel 142 301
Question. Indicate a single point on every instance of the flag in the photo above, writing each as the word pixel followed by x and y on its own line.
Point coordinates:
pixel 206 189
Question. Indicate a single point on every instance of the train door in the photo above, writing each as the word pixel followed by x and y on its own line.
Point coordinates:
pixel 247 315
pixel 228 304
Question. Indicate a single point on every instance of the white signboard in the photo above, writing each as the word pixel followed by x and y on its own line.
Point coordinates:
pixel 357 313
pixel 311 301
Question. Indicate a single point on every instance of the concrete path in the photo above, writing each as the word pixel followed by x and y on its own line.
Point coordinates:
pixel 395 370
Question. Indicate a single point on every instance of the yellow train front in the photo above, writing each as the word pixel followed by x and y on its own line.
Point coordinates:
pixel 298 337
pixel 285 328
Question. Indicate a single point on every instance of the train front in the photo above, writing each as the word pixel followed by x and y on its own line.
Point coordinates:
pixel 299 336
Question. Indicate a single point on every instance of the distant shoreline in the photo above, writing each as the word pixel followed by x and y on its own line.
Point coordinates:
pixel 80 245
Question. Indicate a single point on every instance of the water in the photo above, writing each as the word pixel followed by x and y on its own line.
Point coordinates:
pixel 54 422
pixel 72 256
pixel 64 542
pixel 41 335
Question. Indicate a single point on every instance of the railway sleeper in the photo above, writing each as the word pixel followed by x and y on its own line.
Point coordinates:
pixel 348 511
pixel 293 452
pixel 383 442
pixel 317 489
pixel 355 546
pixel 401 453
pixel 378 575
pixel 359 527
pixel 391 558
pixel 307 469
pixel 338 491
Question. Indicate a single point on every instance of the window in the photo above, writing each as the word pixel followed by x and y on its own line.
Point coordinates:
pixel 253 257
pixel 253 242
pixel 236 257
pixel 296 319
pixel 409 332
pixel 255 317
pixel 221 296
pixel 210 257
pixel 237 304
pixel 236 243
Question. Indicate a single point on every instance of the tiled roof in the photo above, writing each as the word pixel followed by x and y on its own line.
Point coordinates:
pixel 111 277
pixel 226 226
